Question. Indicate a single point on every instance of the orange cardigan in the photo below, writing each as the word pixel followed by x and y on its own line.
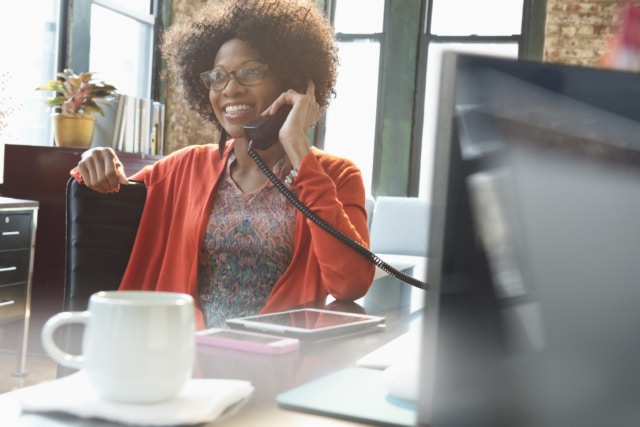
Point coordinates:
pixel 179 191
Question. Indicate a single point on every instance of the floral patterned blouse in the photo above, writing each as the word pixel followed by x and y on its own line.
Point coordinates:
pixel 248 244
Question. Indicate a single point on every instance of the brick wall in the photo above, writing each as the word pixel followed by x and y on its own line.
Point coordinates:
pixel 577 31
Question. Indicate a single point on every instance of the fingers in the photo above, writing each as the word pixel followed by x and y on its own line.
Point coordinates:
pixel 314 112
pixel 311 89
pixel 101 170
pixel 293 97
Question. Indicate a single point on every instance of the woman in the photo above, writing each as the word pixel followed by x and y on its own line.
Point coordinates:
pixel 213 225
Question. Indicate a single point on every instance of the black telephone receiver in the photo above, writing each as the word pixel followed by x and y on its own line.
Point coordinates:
pixel 262 134
pixel 264 131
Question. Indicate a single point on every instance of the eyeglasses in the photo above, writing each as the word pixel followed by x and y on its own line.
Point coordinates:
pixel 219 79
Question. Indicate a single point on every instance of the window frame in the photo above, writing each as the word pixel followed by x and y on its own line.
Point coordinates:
pixel 396 168
pixel 530 43
pixel 75 36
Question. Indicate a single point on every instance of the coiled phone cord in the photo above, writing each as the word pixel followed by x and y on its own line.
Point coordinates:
pixel 328 228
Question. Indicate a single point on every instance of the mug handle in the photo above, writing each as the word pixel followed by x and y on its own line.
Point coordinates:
pixel 50 346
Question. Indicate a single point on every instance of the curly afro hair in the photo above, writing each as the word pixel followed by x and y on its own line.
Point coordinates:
pixel 294 38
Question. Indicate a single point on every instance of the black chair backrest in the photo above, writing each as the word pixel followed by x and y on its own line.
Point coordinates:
pixel 100 231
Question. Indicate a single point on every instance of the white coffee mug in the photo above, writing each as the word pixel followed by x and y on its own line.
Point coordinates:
pixel 137 346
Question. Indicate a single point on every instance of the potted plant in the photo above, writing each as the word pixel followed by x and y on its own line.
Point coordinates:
pixel 77 99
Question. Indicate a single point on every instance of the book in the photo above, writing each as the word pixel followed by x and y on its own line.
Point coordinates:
pixel 105 128
pixel 158 127
pixel 144 105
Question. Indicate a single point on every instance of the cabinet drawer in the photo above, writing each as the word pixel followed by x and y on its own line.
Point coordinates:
pixel 12 301
pixel 15 230
pixel 14 266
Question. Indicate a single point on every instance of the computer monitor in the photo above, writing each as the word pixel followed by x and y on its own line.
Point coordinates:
pixel 534 273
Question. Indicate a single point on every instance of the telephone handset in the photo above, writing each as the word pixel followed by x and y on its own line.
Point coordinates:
pixel 262 134
pixel 264 131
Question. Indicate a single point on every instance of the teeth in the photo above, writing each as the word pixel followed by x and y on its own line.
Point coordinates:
pixel 236 108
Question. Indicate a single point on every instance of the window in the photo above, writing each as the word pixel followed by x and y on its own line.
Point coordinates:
pixel 472 17
pixel 132 74
pixel 491 27
pixel 383 115
pixel 351 117
pixel 24 118
pixel 133 40
pixel 29 29
pixel 356 102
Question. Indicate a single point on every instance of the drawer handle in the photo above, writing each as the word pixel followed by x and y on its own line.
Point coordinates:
pixel 10 233
pixel 4 302
pixel 5 269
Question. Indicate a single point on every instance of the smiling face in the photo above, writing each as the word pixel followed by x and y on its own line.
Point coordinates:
pixel 237 104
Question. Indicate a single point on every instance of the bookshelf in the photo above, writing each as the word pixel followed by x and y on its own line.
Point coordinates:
pixel 131 124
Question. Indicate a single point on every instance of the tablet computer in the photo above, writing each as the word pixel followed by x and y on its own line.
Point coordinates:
pixel 309 323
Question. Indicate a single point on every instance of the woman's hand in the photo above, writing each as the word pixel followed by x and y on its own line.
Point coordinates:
pixel 304 114
pixel 101 170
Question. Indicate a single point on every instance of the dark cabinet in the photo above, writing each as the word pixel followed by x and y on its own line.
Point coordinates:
pixel 18 223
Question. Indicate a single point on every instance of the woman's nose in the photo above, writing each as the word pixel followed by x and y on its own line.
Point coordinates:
pixel 232 86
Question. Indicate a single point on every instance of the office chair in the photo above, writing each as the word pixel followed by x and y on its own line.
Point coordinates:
pixel 369 203
pixel 399 226
pixel 100 231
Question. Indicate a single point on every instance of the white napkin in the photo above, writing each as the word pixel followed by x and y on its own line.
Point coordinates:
pixel 200 401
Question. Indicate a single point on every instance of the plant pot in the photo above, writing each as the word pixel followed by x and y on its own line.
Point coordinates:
pixel 73 130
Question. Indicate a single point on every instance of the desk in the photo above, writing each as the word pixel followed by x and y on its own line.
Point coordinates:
pixel 398 302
